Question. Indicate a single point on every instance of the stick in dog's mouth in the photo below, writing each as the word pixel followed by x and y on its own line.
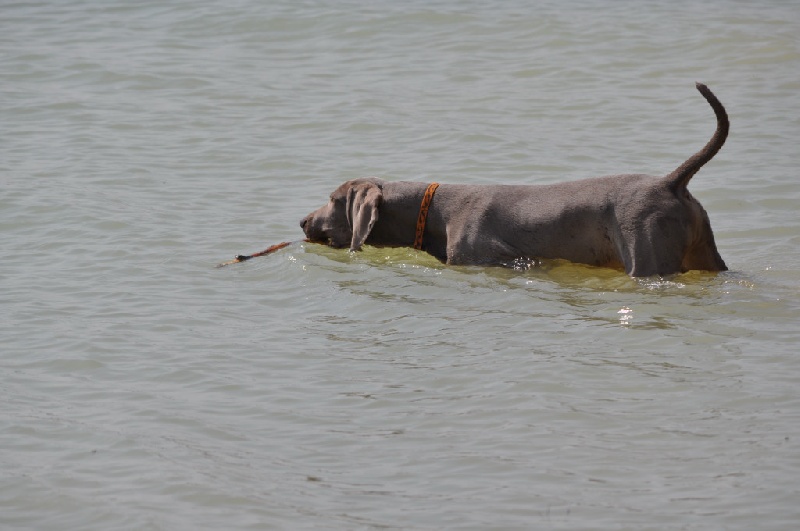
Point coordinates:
pixel 269 250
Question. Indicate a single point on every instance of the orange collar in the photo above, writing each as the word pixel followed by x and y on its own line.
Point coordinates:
pixel 423 213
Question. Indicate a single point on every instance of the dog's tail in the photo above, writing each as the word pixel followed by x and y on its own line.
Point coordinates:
pixel 680 177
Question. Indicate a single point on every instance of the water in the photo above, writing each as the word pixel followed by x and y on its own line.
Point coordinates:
pixel 142 388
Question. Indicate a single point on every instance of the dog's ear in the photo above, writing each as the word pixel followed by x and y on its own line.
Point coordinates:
pixel 363 201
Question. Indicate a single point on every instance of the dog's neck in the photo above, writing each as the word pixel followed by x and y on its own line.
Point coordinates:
pixel 397 219
pixel 423 215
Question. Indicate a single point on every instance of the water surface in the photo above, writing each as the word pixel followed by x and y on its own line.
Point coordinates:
pixel 141 388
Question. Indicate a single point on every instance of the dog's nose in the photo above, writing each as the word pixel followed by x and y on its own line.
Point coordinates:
pixel 303 223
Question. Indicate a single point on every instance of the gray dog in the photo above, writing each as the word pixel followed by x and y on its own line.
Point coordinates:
pixel 642 224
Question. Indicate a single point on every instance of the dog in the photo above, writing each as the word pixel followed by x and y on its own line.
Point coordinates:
pixel 643 224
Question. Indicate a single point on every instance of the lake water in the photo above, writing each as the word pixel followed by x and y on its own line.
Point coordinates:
pixel 141 388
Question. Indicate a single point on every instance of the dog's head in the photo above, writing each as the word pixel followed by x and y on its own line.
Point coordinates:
pixel 348 217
